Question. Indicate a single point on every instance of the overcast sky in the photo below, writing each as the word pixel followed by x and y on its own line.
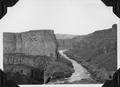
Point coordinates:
pixel 64 16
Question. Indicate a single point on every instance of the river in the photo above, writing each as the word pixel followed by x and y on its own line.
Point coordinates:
pixel 80 71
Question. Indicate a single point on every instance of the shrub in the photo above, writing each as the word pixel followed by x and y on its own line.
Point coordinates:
pixel 58 70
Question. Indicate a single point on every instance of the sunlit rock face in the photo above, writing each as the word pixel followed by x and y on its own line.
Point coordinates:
pixel 38 42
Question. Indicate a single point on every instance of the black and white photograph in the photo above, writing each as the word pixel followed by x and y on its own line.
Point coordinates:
pixel 59 42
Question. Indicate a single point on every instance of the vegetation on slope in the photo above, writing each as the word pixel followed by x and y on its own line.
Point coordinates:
pixel 97 52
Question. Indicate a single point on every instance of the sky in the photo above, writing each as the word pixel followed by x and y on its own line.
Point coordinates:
pixel 63 16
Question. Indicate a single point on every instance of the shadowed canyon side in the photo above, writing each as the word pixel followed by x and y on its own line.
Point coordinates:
pixel 97 52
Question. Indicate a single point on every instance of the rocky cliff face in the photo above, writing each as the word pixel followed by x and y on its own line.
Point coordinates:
pixel 27 51
pixel 39 42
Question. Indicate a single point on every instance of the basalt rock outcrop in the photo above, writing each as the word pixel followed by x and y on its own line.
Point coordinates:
pixel 24 64
pixel 29 48
pixel 28 51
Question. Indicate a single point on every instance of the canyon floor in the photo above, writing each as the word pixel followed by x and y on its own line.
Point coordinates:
pixel 80 75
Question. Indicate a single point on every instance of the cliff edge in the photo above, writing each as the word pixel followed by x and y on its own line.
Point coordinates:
pixel 37 42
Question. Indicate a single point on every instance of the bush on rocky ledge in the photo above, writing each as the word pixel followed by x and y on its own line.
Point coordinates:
pixel 58 70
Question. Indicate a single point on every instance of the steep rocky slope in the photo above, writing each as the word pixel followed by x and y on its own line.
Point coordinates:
pixel 97 52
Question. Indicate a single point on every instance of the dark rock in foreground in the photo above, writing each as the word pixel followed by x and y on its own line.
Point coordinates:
pixel 115 82
pixel 4 82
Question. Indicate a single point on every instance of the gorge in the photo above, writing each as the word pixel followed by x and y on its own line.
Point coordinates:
pixel 80 71
pixel 29 57
pixel 43 57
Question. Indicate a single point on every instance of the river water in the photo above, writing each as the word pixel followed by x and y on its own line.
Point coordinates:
pixel 80 71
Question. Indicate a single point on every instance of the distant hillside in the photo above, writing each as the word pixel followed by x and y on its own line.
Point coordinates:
pixel 64 36
pixel 107 33
pixel 65 41
pixel 97 52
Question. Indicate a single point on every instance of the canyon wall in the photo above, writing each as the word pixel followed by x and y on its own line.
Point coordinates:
pixel 30 50
pixel 38 42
